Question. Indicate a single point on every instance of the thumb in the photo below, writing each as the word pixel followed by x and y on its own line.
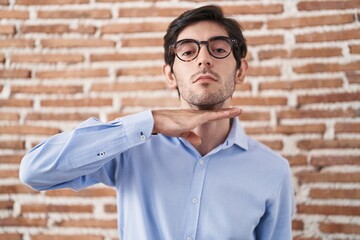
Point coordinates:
pixel 191 137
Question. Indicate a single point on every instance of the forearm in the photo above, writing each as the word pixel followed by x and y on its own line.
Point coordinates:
pixel 67 156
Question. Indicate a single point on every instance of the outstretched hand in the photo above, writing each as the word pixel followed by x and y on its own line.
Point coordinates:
pixel 180 123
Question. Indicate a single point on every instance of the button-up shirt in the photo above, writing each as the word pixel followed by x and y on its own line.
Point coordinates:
pixel 166 189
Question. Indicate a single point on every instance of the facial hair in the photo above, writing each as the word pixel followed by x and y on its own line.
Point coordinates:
pixel 206 100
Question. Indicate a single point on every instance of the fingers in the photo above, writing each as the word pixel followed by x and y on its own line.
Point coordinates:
pixel 191 137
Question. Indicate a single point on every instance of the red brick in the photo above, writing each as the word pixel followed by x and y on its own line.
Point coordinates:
pixel 42 208
pixel 6 205
pixel 347 127
pixel 271 54
pixel 50 2
pixel 327 67
pixel 298 22
pixel 18 43
pixel 151 11
pixel 264 71
pixel 306 238
pixel 76 43
pixel 84 102
pixel 150 102
pixel 74 14
pixel 9 174
pixel 2 60
pixel 259 101
pixel 141 27
pixel 330 160
pixel 320 113
pixel 319 193
pixel 302 84
pixel 46 58
pixel 328 36
pixel 140 71
pixel 28 130
pixel 287 129
pixel 17 189
pixel 4 2
pixel 316 52
pixel 10 116
pixel 141 42
pixel 265 39
pixel 125 57
pixel 328 210
pixel 16 103
pixel 297 225
pixel 331 177
pixel 51 29
pixel 135 86
pixel 250 25
pixel 254 116
pixel 88 223
pixel 13 158
pixel 73 73
pixel 18 73
pixel 65 237
pixel 11 236
pixel 85 193
pixel 326 5
pixel 110 208
pixel 354 49
pixel 14 14
pixel 276 145
pixel 329 98
pixel 243 87
pixel 23 222
pixel 296 160
pixel 7 30
pixel 72 116
pixel 327 144
pixel 339 228
pixel 12 145
pixel 353 77
pixel 47 89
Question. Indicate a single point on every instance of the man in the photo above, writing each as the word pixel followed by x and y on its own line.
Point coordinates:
pixel 180 174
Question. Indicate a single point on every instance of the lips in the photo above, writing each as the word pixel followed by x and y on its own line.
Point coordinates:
pixel 205 78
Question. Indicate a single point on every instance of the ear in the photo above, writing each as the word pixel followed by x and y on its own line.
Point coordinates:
pixel 170 78
pixel 240 73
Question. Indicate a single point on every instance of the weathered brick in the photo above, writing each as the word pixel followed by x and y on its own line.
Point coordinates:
pixel 327 67
pixel 125 57
pixel 88 223
pixel 10 116
pixel 134 27
pixel 354 49
pixel 16 189
pixel 18 73
pixel 46 58
pixel 316 52
pixel 86 193
pixel 253 9
pixel 330 160
pixel 142 42
pixel 320 113
pixel 16 103
pixel 12 159
pixel 18 43
pixel 326 144
pixel 45 208
pixel 14 14
pixel 328 209
pixel 259 101
pixel 243 87
pixel 73 73
pixel 4 2
pixel 11 236
pixel 139 71
pixel 39 89
pixel 264 71
pixel 320 193
pixel 328 36
pixel 9 173
pixel 353 77
pixel 276 145
pixel 302 84
pixel 50 2
pixel 265 39
pixel 273 53
pixel 28 130
pixel 287 129
pixel 331 177
pixel 136 86
pixel 6 205
pixel 15 145
pixel 254 116
pixel 72 116
pixel 7 30
pixel 298 22
pixel 84 102
pixel 110 208
pixel 347 127
pixel 23 222
pixel 149 102
pixel 74 14
pixel 326 5
pixel 329 98
pixel 296 160
pixel 306 238
pixel 76 43
pixel 339 228
pixel 50 29
pixel 297 224
pixel 151 11
pixel 66 237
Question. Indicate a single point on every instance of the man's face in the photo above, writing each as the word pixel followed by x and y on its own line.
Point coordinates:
pixel 205 82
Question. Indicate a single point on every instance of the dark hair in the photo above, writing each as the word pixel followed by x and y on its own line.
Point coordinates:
pixel 205 13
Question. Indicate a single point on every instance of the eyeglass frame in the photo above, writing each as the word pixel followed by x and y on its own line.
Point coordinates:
pixel 232 42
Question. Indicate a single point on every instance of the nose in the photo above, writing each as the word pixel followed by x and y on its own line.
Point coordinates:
pixel 204 58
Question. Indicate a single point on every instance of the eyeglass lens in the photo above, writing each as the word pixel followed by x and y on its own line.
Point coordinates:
pixel 188 50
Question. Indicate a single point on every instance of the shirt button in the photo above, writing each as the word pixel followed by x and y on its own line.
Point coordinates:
pixel 201 162
pixel 142 137
pixel 188 238
pixel 194 200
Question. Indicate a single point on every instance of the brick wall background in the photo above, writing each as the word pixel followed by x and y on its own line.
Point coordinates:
pixel 62 61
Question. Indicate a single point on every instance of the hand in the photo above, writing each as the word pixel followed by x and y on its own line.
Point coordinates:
pixel 180 123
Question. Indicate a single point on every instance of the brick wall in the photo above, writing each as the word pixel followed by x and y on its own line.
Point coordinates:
pixel 62 61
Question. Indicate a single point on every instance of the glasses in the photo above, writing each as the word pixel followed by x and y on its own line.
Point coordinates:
pixel 188 49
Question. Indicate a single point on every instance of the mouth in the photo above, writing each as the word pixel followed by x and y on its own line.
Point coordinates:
pixel 204 79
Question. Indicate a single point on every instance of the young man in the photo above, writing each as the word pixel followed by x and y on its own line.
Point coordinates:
pixel 180 174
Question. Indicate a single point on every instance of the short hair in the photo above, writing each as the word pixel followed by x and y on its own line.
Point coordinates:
pixel 206 13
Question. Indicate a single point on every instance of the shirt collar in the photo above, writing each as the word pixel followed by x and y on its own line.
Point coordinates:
pixel 236 136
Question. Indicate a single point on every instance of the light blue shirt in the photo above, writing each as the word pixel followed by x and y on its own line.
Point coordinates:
pixel 166 190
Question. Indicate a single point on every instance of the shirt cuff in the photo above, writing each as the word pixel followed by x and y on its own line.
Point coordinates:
pixel 138 127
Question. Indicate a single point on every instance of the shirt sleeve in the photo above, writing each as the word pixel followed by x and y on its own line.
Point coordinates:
pixel 66 159
pixel 277 220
